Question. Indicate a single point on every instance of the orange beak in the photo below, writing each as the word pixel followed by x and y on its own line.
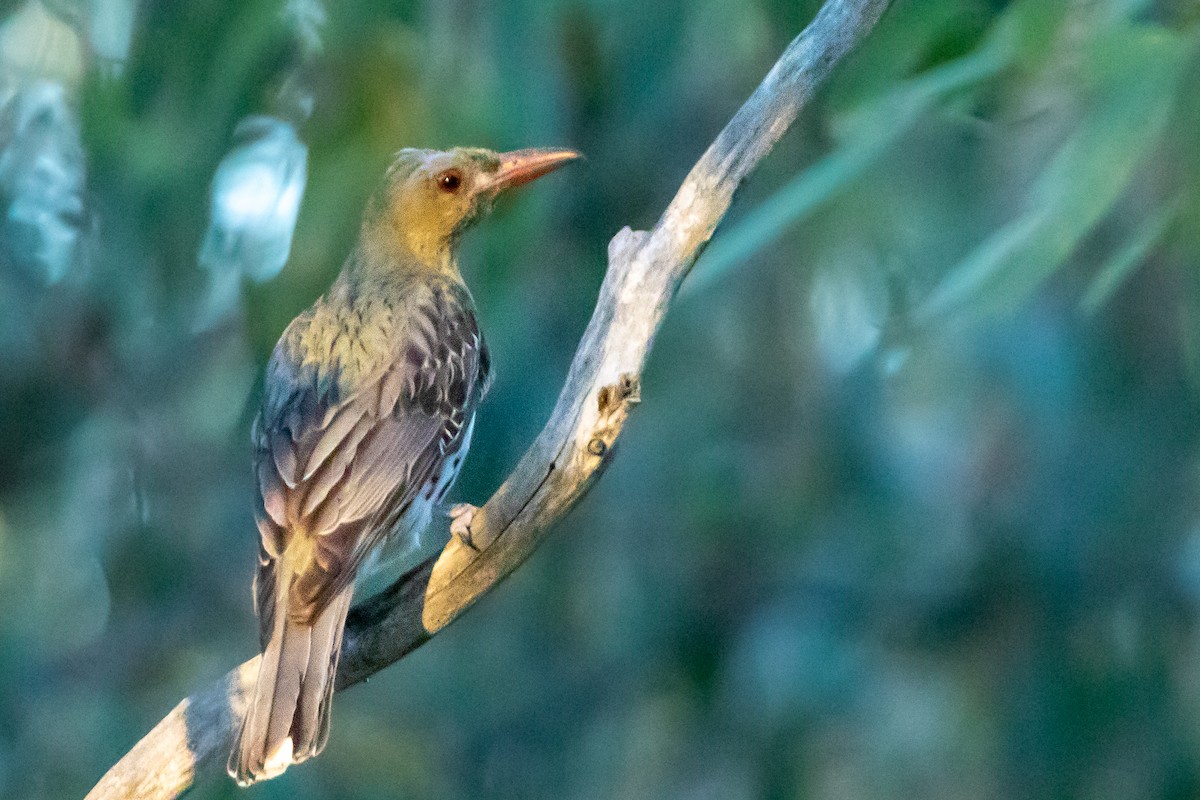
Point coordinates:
pixel 522 166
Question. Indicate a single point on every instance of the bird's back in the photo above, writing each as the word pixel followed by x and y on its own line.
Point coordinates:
pixel 368 393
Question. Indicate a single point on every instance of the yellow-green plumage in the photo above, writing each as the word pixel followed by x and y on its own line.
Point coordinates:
pixel 367 414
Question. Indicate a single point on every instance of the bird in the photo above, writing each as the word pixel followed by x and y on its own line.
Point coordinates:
pixel 367 413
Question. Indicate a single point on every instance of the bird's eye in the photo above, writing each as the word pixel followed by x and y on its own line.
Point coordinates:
pixel 449 181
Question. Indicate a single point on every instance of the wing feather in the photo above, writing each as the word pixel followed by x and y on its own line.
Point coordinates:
pixel 347 418
pixel 340 467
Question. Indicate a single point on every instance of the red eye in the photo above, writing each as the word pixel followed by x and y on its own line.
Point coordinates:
pixel 449 181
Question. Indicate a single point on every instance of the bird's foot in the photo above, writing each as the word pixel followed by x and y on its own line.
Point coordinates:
pixel 461 517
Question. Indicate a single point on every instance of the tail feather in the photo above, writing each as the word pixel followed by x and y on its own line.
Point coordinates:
pixel 288 718
pixel 310 727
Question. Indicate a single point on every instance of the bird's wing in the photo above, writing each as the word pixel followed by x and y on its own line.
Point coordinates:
pixel 339 471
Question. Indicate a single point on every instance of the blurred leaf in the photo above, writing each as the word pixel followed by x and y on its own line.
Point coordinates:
pixel 1135 72
pixel 870 133
pixel 1190 326
pixel 1122 264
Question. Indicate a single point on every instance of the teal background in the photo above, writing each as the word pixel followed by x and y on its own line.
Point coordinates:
pixel 909 508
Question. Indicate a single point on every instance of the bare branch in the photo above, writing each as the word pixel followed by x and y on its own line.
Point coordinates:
pixel 644 271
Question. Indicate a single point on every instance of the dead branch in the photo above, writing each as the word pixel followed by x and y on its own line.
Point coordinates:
pixel 644 272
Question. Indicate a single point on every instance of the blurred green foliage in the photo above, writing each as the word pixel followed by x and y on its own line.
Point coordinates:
pixel 910 508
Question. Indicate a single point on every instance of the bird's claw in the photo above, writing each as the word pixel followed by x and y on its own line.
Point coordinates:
pixel 461 517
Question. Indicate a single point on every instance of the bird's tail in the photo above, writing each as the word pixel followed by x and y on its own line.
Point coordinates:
pixel 287 721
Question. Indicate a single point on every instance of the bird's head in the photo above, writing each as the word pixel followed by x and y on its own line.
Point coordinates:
pixel 429 197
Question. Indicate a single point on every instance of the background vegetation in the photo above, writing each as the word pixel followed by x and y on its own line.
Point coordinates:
pixel 910 509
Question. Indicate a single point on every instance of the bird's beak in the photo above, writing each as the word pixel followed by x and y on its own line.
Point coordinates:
pixel 522 166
